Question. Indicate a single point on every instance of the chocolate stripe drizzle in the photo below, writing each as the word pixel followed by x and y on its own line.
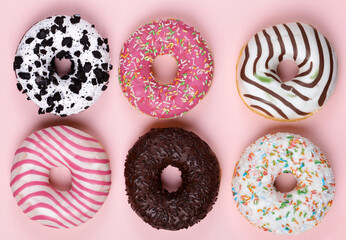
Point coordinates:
pixel 270 92
pixel 262 109
pixel 282 45
pixel 279 111
pixel 273 77
pixel 259 52
pixel 270 47
pixel 293 41
pixel 321 65
pixel 325 90
pixel 306 72
pixel 307 45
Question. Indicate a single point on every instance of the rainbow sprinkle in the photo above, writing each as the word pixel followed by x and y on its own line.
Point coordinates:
pixel 283 213
pixel 195 68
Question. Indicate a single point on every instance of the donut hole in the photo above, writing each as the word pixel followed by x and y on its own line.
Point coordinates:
pixel 287 70
pixel 171 178
pixel 285 182
pixel 60 178
pixel 164 69
pixel 62 66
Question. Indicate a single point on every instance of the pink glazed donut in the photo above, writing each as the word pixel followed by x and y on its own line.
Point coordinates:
pixel 195 68
pixel 58 146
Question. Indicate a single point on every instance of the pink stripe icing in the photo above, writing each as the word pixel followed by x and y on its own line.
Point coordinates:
pixel 38 154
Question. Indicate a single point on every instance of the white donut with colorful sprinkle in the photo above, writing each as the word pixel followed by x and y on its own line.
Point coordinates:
pixel 283 213
pixel 195 68
pixel 58 146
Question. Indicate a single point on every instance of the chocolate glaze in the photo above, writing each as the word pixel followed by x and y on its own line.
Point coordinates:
pixel 200 173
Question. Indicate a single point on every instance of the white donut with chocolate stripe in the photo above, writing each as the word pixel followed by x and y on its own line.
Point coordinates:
pixel 58 146
pixel 62 37
pixel 261 88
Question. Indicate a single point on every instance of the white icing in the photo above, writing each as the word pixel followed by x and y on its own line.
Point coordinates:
pixel 313 94
pixel 283 213
pixel 72 102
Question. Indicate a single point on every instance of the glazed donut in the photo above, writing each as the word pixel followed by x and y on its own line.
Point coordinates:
pixel 62 37
pixel 58 146
pixel 261 88
pixel 284 213
pixel 195 68
pixel 200 174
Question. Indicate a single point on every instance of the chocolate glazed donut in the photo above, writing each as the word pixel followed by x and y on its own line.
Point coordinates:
pixel 200 173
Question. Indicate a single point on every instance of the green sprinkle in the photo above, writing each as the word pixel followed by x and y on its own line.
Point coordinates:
pixel 303 191
pixel 279 218
pixel 317 162
pixel 133 77
pixel 288 213
pixel 171 33
pixel 199 95
pixel 263 79
pixel 182 83
pixel 284 204
pixel 196 77
pixel 315 75
pixel 138 37
pixel 170 29
pixel 291 95
pixel 146 87
pixel 146 43
pixel 193 33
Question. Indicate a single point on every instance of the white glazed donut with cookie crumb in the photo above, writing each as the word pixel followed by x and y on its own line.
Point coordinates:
pixel 62 37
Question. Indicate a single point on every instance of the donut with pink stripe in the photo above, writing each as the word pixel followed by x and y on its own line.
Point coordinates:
pixel 58 146
pixel 195 68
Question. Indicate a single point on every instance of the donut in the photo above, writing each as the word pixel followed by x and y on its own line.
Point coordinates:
pixel 62 37
pixel 200 174
pixel 195 68
pixel 60 146
pixel 260 86
pixel 262 204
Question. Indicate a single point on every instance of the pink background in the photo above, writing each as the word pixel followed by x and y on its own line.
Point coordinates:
pixel 221 119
